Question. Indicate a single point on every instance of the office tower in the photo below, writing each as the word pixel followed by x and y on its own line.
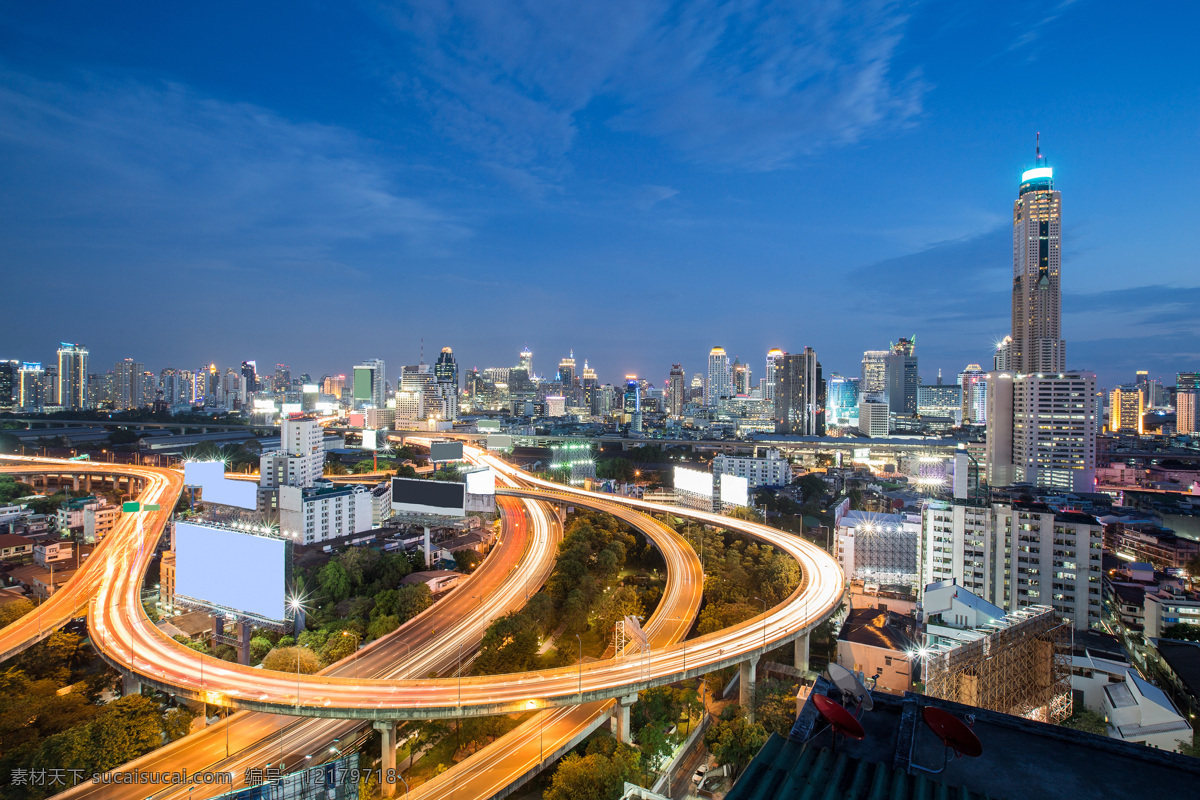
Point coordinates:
pixel 873 383
pixel 1187 388
pixel 901 378
pixel 369 379
pixel 250 373
pixel 233 392
pixel 973 382
pixel 72 376
pixel 8 382
pixel 1042 430
pixel 525 361
pixel 696 389
pixel 843 399
pixel 418 397
pixel 799 395
pixel 566 371
pixel 1037 344
pixel 872 418
pixel 773 356
pixel 632 405
pixel 300 459
pixel 31 386
pixel 50 386
pixel 170 385
pixel 719 384
pixel 1002 358
pixel 283 378
pixel 446 368
pixel 1126 407
pixel 591 385
pixel 127 385
pixel 940 401
pixel 676 393
pixel 742 381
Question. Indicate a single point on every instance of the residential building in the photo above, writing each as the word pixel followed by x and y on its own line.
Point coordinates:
pixel 880 646
pixel 69 516
pixel 98 522
pixel 772 469
pixel 13 546
pixel 72 376
pixel 31 386
pixel 973 383
pixel 370 382
pixel 1166 605
pixel 380 418
pixel 742 378
pixel 872 419
pixel 953 614
pixel 799 394
pixel 720 381
pixel 127 390
pixel 300 461
pixel 325 511
pixel 8 382
pixel 1037 344
pixel 958 545
pixel 250 373
pixel 1126 408
pixel 1187 389
pixel 773 356
pixel 1042 430
pixel 1139 712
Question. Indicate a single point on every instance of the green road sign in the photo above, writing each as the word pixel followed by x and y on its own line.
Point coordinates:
pixel 152 507
pixel 133 505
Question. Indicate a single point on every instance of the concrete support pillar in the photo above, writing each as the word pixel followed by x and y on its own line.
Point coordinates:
pixel 132 684
pixel 387 737
pixel 620 719
pixel 427 553
pixel 75 483
pixel 746 687
pixel 87 482
pixel 801 656
pixel 244 642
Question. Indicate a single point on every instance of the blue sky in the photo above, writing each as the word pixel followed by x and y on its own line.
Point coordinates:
pixel 321 183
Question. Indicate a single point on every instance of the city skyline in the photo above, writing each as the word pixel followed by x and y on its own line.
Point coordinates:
pixel 127 162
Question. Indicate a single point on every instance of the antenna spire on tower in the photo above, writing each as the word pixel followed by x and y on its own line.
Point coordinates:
pixel 1039 146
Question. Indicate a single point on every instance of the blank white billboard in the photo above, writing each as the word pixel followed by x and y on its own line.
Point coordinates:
pixel 209 476
pixel 481 482
pixel 370 439
pixel 735 491
pixel 230 569
pixel 693 481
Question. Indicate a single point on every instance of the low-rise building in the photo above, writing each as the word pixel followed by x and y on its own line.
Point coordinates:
pixel 772 469
pixel 70 514
pixel 13 546
pixel 438 580
pixel 880 646
pixel 1139 712
pixel 98 522
pixel 952 613
pixel 325 511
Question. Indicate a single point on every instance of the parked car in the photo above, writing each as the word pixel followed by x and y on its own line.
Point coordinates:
pixel 698 775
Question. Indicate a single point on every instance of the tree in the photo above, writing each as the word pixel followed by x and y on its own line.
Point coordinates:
pixel 178 722
pixel 337 648
pixel 334 581
pixel 735 742
pixel 406 471
pixel 259 647
pixel 412 600
pixel 775 706
pixel 466 560
pixel 509 644
pixel 1084 719
pixel 382 625
pixel 616 604
pixel 618 469
pixel 358 562
pixel 1182 630
pixel 292 659
pixel 595 776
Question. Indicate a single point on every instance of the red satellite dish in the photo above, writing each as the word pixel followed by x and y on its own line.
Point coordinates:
pixel 841 720
pixel 953 732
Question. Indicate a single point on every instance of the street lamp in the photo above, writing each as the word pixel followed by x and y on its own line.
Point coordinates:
pixel 764 602
pixel 580 667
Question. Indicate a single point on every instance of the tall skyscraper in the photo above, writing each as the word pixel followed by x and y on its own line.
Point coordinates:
pixel 1002 358
pixel 773 356
pixel 742 379
pixel 1187 390
pixel 590 385
pixel 1037 344
pixel 446 368
pixel 250 373
pixel 1126 407
pixel 369 383
pixel 720 380
pixel 566 371
pixel 127 385
pixel 8 382
pixel 973 381
pixel 873 383
pixel 901 377
pixel 842 403
pixel 526 362
pixel 676 391
pixel 72 376
pixel 283 378
pixel 31 386
pixel 799 395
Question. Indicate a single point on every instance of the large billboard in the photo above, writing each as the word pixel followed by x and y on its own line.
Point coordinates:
pixel 209 476
pixel 416 496
pixel 370 439
pixel 499 441
pixel 693 481
pixel 445 451
pixel 735 491
pixel 481 482
pixel 230 569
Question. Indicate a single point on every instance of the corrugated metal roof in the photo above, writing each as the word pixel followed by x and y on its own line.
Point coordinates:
pixel 788 769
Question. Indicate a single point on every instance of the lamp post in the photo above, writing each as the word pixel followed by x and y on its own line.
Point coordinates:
pixel 580 667
pixel 764 602
pixel 357 639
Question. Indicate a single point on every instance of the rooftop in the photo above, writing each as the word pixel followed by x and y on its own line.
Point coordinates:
pixel 1184 660
pixel 879 628
pixel 1020 759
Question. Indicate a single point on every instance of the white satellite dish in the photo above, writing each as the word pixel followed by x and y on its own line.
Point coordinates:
pixel 850 686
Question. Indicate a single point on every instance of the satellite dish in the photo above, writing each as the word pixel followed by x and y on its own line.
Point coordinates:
pixel 850 686
pixel 841 720
pixel 953 732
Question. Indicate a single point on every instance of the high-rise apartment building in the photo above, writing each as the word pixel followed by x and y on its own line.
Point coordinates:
pixel 590 385
pixel 250 373
pixel 31 389
pixel 72 376
pixel 873 382
pixel 1187 389
pixel 1002 358
pixel 1037 344
pixel 799 395
pixel 720 381
pixel 973 382
pixel 1016 555
pixel 283 378
pixel 8 382
pixel 127 390
pixel 370 379
pixel 300 459
pixel 676 393
pixel 742 378
pixel 1126 408
pixel 1042 430
pixel 773 356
